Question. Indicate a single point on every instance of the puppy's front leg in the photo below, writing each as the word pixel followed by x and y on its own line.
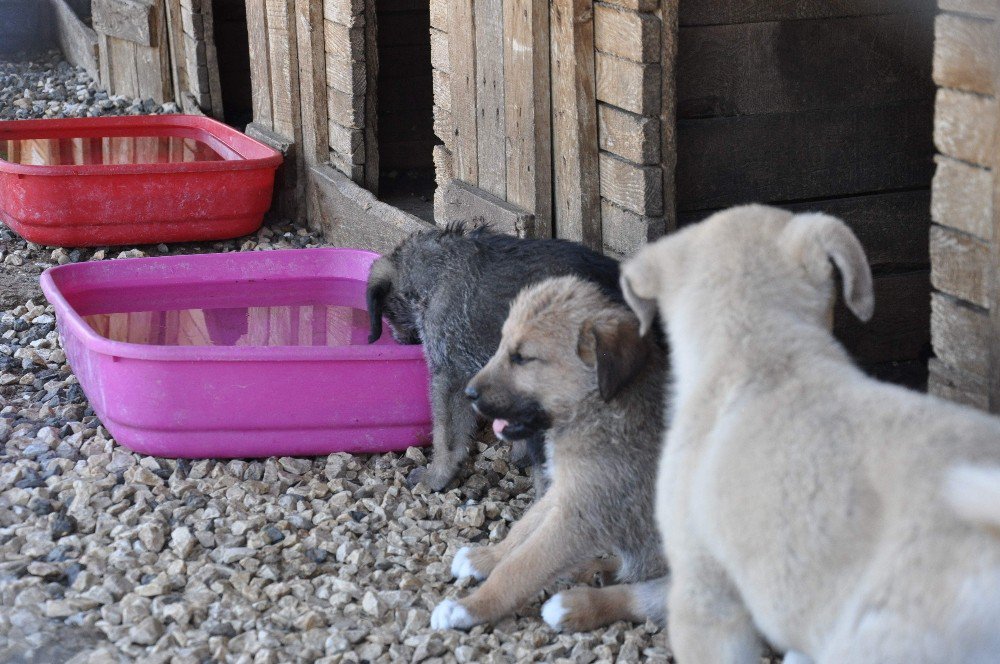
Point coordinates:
pixel 454 423
pixel 480 561
pixel 707 620
pixel 550 549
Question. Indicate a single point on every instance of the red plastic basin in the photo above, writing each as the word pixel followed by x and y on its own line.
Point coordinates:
pixel 132 180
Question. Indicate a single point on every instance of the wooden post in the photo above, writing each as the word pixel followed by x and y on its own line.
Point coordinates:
pixel 992 277
pixel 462 60
pixel 668 110
pixel 490 112
pixel 527 109
pixel 574 123
pixel 371 98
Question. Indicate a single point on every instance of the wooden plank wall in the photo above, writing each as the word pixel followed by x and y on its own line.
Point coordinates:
pixel 819 105
pixel 559 108
pixel 965 206
pixel 348 107
pixel 133 50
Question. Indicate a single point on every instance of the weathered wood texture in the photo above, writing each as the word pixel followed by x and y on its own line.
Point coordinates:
pixel 368 150
pixel 517 86
pixel 892 227
pixel 491 115
pixel 962 53
pixel 720 12
pixel 77 40
pixel 807 155
pixel 965 247
pixel 626 34
pixel 463 202
pixel 461 96
pixel 817 105
pixel 136 21
pixel 351 216
pixel 960 265
pixel 964 124
pixel 803 65
pixel 574 123
pixel 260 63
pixel 351 69
pixel 963 197
pixel 527 110
pixel 312 80
pixel 993 272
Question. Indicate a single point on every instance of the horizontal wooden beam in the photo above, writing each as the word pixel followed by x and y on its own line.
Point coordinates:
pixel 963 53
pixel 133 20
pixel 959 265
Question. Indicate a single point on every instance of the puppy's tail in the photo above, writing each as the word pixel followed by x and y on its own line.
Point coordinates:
pixel 973 492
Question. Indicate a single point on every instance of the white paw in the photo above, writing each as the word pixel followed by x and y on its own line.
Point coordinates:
pixel 462 566
pixel 553 611
pixel 449 614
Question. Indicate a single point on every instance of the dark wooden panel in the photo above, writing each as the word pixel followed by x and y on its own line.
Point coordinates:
pixel 778 67
pixel 900 328
pixel 721 12
pixel 893 227
pixel 797 156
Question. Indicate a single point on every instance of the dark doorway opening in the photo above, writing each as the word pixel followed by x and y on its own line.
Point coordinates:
pixel 405 106
pixel 232 46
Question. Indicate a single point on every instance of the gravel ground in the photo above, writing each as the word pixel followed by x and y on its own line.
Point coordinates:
pixel 111 556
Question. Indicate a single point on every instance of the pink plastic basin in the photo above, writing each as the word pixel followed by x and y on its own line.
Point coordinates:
pixel 238 354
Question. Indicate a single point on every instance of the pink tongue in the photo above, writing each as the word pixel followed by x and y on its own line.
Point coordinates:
pixel 498 426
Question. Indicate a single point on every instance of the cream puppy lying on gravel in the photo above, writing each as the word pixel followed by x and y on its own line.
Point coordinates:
pixel 801 501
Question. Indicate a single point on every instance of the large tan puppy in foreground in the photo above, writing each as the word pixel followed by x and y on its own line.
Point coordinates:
pixel 800 501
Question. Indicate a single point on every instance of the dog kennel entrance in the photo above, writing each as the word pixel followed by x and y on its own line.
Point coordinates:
pixel 404 106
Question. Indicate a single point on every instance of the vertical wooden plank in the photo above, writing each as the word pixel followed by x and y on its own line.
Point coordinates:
pixel 284 60
pixel 212 60
pixel 312 80
pixel 104 60
pixel 462 57
pixel 527 109
pixel 370 148
pixel 260 63
pixel 124 69
pixel 993 280
pixel 175 46
pixel 668 110
pixel 153 63
pixel 490 112
pixel 574 123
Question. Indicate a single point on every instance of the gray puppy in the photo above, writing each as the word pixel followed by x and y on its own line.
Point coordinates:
pixel 451 289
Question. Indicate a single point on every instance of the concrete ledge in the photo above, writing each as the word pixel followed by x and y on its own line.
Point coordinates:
pixel 350 216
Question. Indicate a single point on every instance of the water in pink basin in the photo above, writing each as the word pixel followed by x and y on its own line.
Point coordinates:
pixel 238 355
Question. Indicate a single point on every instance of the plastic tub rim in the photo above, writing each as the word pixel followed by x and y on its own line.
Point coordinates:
pixel 67 315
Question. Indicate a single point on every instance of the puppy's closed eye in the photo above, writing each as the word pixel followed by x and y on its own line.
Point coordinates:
pixel 517 359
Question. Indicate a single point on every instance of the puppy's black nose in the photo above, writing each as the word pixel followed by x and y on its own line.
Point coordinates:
pixel 472 393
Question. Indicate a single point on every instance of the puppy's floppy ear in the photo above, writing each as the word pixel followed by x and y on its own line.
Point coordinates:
pixel 379 284
pixel 818 238
pixel 640 277
pixel 618 350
